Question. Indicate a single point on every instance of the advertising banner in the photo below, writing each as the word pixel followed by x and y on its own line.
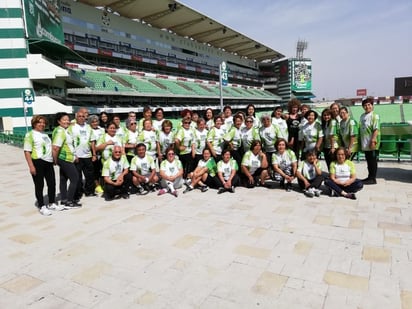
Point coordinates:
pixel 43 20
pixel 301 75
pixel 361 92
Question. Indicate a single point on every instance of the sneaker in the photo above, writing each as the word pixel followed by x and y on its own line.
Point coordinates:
pixel 309 192
pixel 91 194
pixel 232 189
pixel 221 190
pixel 141 191
pixel 54 206
pixel 162 191
pixel 174 193
pixel 98 190
pixel 333 193
pixel 152 188
pixel 351 196
pixel 288 187
pixel 125 196
pixel 204 188
pixel 45 211
pixel 72 204
pixel 317 192
pixel 188 189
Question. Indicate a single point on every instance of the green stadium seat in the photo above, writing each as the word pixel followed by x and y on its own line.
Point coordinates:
pixel 388 144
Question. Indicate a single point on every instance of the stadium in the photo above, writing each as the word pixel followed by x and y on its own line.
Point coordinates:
pixel 121 56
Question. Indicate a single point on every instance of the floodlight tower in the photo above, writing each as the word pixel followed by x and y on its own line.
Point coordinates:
pixel 300 47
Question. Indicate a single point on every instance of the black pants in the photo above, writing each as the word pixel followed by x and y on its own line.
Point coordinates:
pixel 329 156
pixel 44 171
pixel 235 181
pixel 352 188
pixel 372 162
pixel 111 191
pixel 187 162
pixel 85 166
pixel 68 171
pixel 237 155
pixel 314 183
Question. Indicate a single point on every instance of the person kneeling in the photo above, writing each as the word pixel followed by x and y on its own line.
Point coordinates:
pixel 116 175
pixel 343 181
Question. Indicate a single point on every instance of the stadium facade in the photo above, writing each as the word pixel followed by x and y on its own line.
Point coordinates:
pixel 123 56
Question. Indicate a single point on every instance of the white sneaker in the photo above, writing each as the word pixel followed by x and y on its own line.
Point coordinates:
pixel 317 192
pixel 45 211
pixel 56 207
pixel 309 192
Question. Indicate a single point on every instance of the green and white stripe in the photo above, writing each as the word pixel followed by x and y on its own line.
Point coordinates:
pixel 14 76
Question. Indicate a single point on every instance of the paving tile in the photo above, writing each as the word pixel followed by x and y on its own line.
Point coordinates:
pixel 21 284
pixel 346 281
pixel 208 251
pixel 269 283
pixel 251 251
pixel 303 247
pixel 25 238
pixel 186 241
pixel 375 254
pixel 406 299
pixel 90 274
pixel 395 226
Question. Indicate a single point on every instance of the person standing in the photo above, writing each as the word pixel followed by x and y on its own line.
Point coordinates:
pixel 82 134
pixel 97 164
pixel 38 155
pixel 64 157
pixel 293 121
pixel 185 144
pixel 310 134
pixel 370 138
pixel 349 131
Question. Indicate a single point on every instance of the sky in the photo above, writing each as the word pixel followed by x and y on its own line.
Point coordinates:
pixel 353 44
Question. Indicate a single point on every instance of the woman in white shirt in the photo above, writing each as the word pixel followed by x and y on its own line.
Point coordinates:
pixel 342 180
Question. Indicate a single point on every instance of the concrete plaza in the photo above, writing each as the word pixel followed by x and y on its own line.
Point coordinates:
pixel 258 248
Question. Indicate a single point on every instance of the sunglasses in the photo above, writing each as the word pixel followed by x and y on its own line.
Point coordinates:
pixel 186 122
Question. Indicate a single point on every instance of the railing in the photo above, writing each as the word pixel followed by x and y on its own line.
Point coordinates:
pixel 16 139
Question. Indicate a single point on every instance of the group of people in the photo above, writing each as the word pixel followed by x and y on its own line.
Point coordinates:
pixel 98 154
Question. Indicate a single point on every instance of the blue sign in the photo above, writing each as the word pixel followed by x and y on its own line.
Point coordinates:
pixel 223 74
pixel 28 97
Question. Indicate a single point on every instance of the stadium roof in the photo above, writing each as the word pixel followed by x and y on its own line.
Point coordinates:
pixel 186 22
